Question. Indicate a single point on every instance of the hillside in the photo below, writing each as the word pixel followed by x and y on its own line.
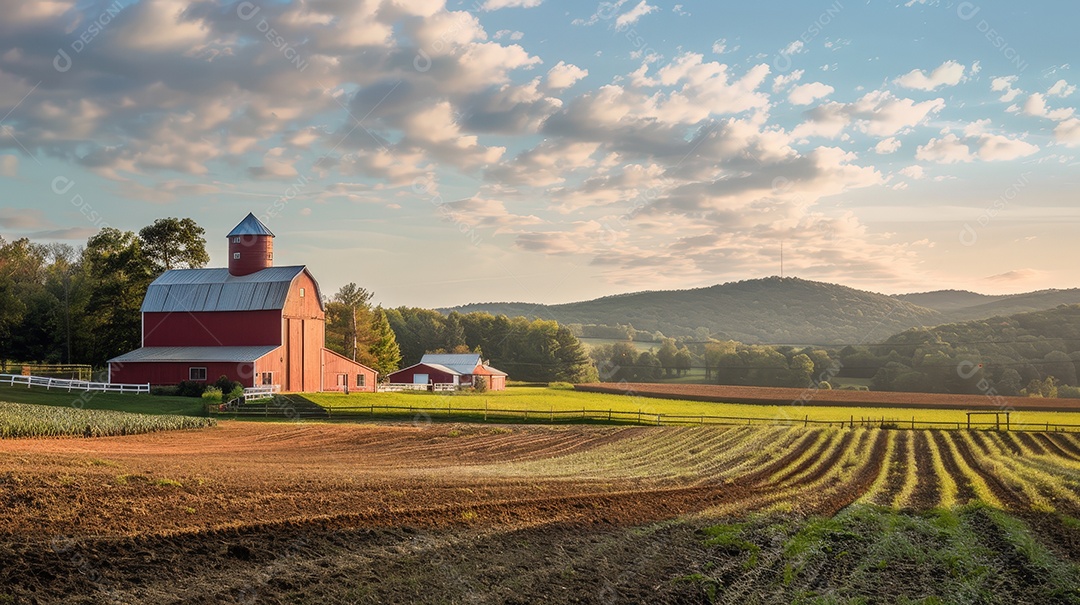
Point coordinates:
pixel 959 305
pixel 1008 351
pixel 947 301
pixel 770 310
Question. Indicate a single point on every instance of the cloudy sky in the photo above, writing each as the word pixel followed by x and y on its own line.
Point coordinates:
pixel 540 150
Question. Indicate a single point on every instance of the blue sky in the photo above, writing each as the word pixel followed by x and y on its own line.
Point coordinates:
pixel 443 153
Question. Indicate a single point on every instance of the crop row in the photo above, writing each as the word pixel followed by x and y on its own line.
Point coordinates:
pixel 800 468
pixel 27 420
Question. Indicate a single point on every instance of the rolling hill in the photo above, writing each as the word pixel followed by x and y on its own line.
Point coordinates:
pixel 770 310
pixel 957 306
pixel 778 310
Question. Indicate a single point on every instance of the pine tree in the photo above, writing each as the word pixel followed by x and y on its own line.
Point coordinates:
pixel 384 347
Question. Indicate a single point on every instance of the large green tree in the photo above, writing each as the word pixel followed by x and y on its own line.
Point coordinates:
pixel 119 274
pixel 350 321
pixel 174 243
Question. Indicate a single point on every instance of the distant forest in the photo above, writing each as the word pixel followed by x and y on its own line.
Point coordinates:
pixel 1034 354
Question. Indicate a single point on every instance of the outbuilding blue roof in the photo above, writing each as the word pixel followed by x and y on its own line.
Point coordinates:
pixel 462 363
pixel 250 226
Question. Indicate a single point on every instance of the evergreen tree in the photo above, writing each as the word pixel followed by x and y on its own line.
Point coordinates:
pixel 384 347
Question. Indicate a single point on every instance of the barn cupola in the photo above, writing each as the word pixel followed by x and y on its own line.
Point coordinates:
pixel 251 247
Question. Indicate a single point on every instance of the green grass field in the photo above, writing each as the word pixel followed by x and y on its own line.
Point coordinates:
pixel 141 404
pixel 542 399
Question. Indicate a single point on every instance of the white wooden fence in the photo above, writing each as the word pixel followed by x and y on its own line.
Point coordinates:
pixel 394 387
pixel 261 392
pixel 72 385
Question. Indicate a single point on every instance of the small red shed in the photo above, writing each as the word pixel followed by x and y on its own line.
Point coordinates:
pixel 450 368
pixel 257 324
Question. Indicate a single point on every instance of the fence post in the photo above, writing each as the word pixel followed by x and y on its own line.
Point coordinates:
pixel 806 421
pixel 853 421
pixel 639 415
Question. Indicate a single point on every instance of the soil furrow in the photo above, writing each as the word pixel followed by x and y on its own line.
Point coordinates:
pixel 1052 447
pixel 964 491
pixel 896 469
pixel 1008 496
pixel 928 488
pixel 1029 442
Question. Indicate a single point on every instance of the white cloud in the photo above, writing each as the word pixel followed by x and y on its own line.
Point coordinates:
pixel 995 147
pixel 719 46
pixel 913 172
pixel 946 150
pixel 508 34
pixel 1061 88
pixel 1036 106
pixel 887 146
pixel 479 211
pixel 877 113
pixel 631 16
pixel 1068 132
pixel 783 80
pixel 491 5
pixel 951 149
pixel 1003 85
pixel 805 94
pixel 795 48
pixel 564 75
pixel 949 73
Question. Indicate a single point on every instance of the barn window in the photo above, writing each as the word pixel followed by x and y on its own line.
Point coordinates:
pixel 236 255
pixel 196 373
pixel 269 256
pixel 267 378
pixel 236 240
pixel 301 292
pixel 361 380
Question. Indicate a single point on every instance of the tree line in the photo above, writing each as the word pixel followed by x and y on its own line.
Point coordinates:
pixel 61 304
pixel 67 305
pixel 529 350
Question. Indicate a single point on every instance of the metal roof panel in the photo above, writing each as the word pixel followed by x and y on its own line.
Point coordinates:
pixel 250 226
pixel 195 354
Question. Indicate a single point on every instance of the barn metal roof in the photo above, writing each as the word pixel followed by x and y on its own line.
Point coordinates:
pixel 250 226
pixel 433 366
pixel 462 363
pixel 195 290
pixel 195 354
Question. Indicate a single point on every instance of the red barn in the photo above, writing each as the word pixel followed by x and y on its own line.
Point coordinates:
pixel 450 368
pixel 258 324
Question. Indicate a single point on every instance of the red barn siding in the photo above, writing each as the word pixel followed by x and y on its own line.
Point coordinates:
pixel 211 329
pixel 436 376
pixel 303 329
pixel 174 372
pixel 335 365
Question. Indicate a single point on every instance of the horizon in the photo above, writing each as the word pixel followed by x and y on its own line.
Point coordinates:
pixel 549 152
